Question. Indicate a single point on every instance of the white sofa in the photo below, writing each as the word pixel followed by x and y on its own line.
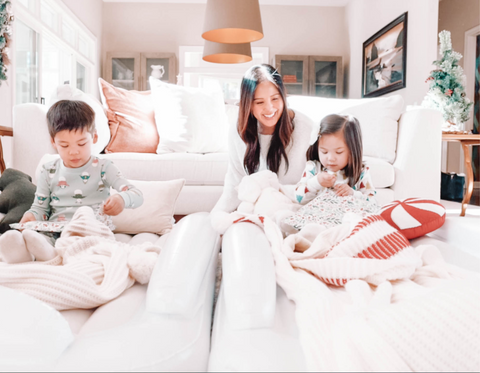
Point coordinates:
pixel 405 162
pixel 414 171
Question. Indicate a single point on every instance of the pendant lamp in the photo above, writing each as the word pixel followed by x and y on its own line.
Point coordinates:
pixel 232 21
pixel 227 53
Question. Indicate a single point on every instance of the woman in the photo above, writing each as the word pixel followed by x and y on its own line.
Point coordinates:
pixel 268 136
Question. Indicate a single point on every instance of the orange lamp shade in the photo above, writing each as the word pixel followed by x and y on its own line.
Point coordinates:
pixel 227 53
pixel 232 21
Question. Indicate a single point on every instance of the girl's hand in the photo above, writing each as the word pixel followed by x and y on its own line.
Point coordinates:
pixel 326 180
pixel 343 190
pixel 114 205
pixel 28 216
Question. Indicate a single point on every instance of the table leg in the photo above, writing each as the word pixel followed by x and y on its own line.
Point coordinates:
pixel 2 162
pixel 468 165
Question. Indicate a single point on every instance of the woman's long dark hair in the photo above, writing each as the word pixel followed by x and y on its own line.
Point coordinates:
pixel 352 133
pixel 247 123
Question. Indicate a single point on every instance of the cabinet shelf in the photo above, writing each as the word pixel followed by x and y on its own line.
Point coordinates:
pixel 139 67
pixel 312 70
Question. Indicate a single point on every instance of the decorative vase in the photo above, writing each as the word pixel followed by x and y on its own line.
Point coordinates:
pixel 157 71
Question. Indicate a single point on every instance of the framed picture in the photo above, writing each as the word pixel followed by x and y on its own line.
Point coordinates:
pixel 384 64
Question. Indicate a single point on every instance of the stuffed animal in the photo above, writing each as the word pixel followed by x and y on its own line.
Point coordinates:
pixel 18 193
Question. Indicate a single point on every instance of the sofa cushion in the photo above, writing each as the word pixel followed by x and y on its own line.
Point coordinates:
pixel 382 172
pixel 131 119
pixel 189 119
pixel 155 215
pixel 378 119
pixel 68 92
pixel 196 169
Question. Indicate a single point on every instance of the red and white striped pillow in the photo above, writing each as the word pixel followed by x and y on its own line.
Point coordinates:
pixel 414 217
pixel 372 238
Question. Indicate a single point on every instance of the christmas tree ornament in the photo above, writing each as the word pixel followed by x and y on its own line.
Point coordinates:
pixel 446 92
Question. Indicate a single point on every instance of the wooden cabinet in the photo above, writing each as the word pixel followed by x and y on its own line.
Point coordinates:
pixel 130 70
pixel 311 75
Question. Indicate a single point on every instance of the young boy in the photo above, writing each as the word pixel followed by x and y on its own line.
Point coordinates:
pixel 76 179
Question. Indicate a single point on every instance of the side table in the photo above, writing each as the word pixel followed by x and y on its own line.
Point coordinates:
pixel 4 131
pixel 466 141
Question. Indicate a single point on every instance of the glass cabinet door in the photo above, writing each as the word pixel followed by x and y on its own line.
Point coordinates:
pixel 123 70
pixel 294 72
pixel 159 65
pixel 326 76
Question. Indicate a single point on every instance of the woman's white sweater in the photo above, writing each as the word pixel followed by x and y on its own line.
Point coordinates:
pixel 296 153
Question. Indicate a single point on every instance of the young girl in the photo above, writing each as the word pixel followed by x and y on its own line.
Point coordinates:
pixel 335 162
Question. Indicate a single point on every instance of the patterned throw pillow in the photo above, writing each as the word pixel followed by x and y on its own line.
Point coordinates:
pixel 414 217
pixel 328 209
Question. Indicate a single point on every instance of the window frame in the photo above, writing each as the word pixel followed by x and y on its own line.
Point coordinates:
pixel 33 20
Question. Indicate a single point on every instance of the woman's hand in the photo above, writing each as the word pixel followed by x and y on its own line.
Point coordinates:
pixel 343 190
pixel 114 205
pixel 28 216
pixel 326 180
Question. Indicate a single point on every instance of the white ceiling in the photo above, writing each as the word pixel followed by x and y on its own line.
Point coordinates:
pixel 262 2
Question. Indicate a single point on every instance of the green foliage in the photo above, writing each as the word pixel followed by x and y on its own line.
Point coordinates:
pixel 446 91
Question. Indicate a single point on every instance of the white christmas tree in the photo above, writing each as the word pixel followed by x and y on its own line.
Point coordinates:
pixel 447 92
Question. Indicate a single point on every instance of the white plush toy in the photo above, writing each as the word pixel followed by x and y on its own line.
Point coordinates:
pixel 260 194
pixel 252 186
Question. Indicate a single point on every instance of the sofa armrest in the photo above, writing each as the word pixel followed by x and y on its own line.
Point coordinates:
pixel 31 139
pixel 4 131
pixel 418 161
pixel 183 265
pixel 249 282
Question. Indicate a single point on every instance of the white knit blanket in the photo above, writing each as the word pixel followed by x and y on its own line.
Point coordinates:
pixel 409 312
pixel 88 272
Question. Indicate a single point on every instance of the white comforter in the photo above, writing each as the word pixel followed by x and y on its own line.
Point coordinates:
pixel 409 312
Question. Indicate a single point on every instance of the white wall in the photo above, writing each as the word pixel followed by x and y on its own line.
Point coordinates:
pixel 365 17
pixel 90 13
pixel 165 27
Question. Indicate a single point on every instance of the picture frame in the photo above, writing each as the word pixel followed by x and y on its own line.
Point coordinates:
pixel 384 65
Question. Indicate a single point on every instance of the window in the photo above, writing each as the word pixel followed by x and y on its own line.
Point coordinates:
pixel 26 69
pixel 48 15
pixel 195 72
pixel 81 74
pixel 53 48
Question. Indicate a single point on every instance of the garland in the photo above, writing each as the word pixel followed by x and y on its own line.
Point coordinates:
pixel 6 19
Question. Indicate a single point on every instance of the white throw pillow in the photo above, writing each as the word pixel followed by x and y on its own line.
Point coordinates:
pixel 189 119
pixel 155 215
pixel 378 119
pixel 68 92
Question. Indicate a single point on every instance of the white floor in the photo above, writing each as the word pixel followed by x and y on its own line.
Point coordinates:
pixel 463 232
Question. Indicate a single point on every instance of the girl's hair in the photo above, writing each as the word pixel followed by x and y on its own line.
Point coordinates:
pixel 352 133
pixel 247 123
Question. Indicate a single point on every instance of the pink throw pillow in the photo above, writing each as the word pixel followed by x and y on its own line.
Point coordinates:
pixel 131 118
